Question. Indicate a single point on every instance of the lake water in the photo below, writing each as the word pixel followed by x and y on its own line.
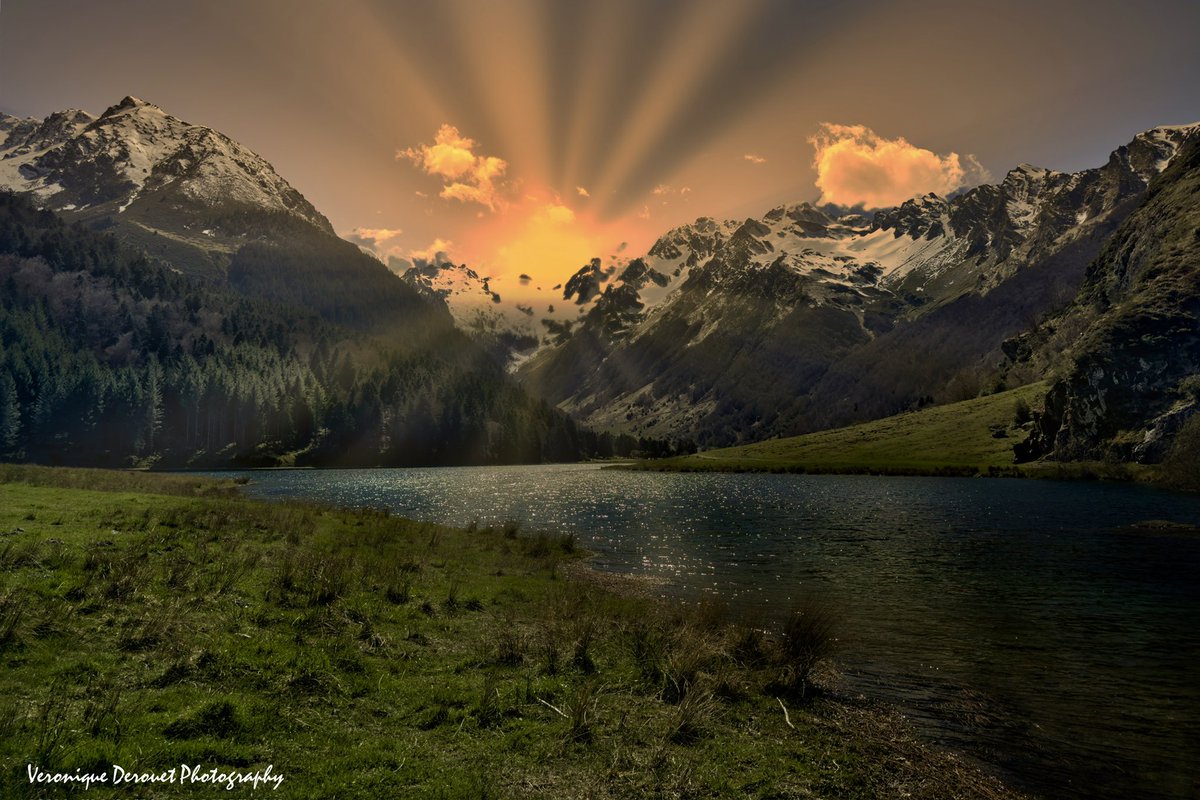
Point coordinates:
pixel 1027 624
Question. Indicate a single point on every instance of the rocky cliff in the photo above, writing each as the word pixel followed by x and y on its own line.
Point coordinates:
pixel 1131 340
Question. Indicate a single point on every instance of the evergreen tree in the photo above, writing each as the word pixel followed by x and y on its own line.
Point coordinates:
pixel 10 414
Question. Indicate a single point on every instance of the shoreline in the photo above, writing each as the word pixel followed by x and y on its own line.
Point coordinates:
pixel 1063 471
pixel 440 638
pixel 868 716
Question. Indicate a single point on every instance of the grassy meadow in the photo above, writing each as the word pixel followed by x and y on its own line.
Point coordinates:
pixel 972 437
pixel 151 621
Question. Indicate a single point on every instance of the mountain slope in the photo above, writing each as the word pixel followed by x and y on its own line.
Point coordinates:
pixel 1130 343
pixel 145 170
pixel 204 205
pixel 107 358
pixel 509 326
pixel 965 438
pixel 802 320
pixel 218 319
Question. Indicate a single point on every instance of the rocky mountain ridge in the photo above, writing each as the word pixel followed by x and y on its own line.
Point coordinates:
pixel 1128 347
pixel 186 193
pixel 511 326
pixel 801 319
pixel 201 204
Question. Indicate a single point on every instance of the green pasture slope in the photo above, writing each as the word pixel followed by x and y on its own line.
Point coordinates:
pixel 966 438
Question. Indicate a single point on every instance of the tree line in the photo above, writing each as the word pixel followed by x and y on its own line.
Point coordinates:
pixel 108 358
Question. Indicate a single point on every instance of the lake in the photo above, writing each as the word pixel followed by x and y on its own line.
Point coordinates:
pixel 1027 624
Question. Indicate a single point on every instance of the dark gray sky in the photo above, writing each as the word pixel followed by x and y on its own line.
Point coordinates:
pixel 659 110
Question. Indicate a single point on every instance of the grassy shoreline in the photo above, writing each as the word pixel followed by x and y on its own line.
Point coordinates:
pixel 972 438
pixel 156 620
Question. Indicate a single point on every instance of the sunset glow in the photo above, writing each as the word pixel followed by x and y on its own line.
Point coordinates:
pixel 439 120
pixel 563 398
pixel 537 236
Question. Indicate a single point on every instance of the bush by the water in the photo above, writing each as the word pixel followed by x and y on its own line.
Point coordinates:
pixel 1181 467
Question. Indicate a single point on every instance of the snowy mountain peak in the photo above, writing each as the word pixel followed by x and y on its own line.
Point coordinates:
pixel 923 217
pixel 1151 151
pixel 34 134
pixel 1170 135
pixel 1029 169
pixel 692 242
pixel 1027 178
pixel 758 326
pixel 805 219
pixel 102 166
pixel 510 319
pixel 129 102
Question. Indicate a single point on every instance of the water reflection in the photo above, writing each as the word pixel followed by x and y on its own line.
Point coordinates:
pixel 1021 621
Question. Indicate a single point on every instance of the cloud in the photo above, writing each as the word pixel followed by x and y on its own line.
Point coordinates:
pixel 436 252
pixel 855 166
pixel 398 264
pixel 664 191
pixel 466 176
pixel 754 159
pixel 582 192
pixel 372 238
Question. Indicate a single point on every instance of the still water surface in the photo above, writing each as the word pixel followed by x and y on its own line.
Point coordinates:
pixel 1028 624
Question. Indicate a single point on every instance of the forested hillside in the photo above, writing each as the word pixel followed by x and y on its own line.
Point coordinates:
pixel 315 271
pixel 107 358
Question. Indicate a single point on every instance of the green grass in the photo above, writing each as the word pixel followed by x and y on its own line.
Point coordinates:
pixel 967 438
pixel 970 438
pixel 151 621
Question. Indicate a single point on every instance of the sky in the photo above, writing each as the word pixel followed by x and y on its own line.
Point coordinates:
pixel 526 136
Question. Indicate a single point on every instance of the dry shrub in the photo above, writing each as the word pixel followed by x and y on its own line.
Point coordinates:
pixel 806 640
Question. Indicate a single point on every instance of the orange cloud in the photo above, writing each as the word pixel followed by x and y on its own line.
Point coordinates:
pixel 856 166
pixel 582 192
pixel 754 159
pixel 467 177
pixel 663 191
pixel 375 235
pixel 374 240
pixel 436 251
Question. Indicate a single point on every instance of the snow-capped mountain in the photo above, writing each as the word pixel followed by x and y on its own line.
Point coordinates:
pixel 802 319
pixel 142 170
pixel 516 317
pixel 1125 355
pixel 205 205
pixel 522 315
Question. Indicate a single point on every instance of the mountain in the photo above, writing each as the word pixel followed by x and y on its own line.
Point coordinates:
pixel 149 173
pixel 168 298
pixel 199 203
pixel 802 320
pixel 511 327
pixel 1127 350
pixel 110 359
